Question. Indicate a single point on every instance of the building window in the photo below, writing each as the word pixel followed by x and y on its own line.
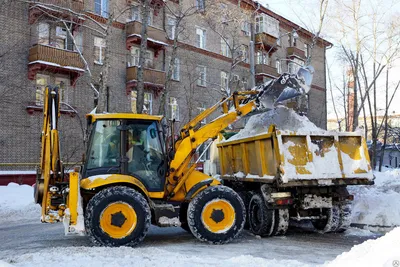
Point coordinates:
pixel 294 65
pixel 200 110
pixel 171 28
pixel 99 50
pixel 267 24
pixel 224 80
pixel 278 66
pixel 43 33
pixel 173 109
pixel 148 103
pixel 201 38
pixel 306 50
pixel 202 72
pixel 41 82
pixel 200 5
pixel 62 84
pixel 246 28
pixel 262 58
pixel 61 38
pixel 224 47
pixel 101 8
pixel 135 13
pixel 78 41
pixel 245 53
pixel 244 82
pixel 135 53
pixel 176 70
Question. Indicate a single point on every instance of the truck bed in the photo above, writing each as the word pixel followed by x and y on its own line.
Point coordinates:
pixel 297 159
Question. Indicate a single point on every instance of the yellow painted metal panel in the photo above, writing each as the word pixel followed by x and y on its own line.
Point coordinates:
pixel 116 116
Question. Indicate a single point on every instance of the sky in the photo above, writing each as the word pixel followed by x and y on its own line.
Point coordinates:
pixel 301 12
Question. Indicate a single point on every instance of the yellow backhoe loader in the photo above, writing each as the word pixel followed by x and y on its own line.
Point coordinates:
pixel 131 177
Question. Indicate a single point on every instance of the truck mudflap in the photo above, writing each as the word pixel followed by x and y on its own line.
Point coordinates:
pixel 325 158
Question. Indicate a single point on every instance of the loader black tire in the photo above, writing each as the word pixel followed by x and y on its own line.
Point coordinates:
pixel 261 218
pixel 216 215
pixel 330 223
pixel 345 217
pixel 102 231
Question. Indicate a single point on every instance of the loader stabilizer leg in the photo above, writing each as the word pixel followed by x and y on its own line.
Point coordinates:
pixel 73 216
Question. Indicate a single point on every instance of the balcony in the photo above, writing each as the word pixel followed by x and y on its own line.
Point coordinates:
pixel 57 8
pixel 295 52
pixel 266 70
pixel 266 42
pixel 153 79
pixel 47 58
pixel 156 38
pixel 156 5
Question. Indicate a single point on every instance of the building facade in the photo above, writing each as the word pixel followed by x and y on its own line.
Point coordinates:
pixel 67 43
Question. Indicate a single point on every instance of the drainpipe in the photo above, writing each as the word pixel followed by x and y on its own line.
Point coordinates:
pixel 252 38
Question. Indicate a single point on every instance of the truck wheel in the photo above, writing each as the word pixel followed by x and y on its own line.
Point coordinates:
pixel 246 197
pixel 216 215
pixel 261 218
pixel 330 223
pixel 345 217
pixel 281 223
pixel 117 216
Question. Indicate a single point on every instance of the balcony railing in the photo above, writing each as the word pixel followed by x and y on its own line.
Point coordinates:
pixel 75 5
pixel 156 77
pixel 268 41
pixel 134 28
pixel 55 57
pixel 264 69
pixel 294 51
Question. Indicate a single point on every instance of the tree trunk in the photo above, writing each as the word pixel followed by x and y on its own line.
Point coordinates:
pixel 386 121
pixel 142 56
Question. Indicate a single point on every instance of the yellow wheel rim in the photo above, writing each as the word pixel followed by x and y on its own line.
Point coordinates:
pixel 118 220
pixel 218 216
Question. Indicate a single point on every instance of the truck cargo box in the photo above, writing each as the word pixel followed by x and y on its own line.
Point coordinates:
pixel 297 159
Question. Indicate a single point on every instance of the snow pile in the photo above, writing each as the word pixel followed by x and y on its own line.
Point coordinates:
pixel 379 204
pixel 17 203
pixel 284 118
pixel 384 251
pixel 139 256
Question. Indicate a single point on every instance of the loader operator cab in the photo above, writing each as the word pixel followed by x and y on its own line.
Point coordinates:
pixel 131 145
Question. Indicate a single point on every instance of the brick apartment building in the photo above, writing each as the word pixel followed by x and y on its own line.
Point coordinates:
pixel 36 50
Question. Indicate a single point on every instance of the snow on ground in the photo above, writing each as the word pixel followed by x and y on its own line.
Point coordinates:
pixel 17 203
pixel 126 256
pixel 384 251
pixel 379 204
pixel 284 118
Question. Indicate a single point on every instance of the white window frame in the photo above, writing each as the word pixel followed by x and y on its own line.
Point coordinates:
pixel 43 33
pixel 246 28
pixel 148 100
pixel 245 53
pixel 176 70
pixel 39 95
pixel 134 58
pixel 171 27
pixel 202 72
pixel 173 108
pixel 100 43
pixel 78 35
pixel 104 5
pixel 202 109
pixel 135 13
pixel 201 35
pixel 306 50
pixel 224 80
pixel 61 34
pixel 267 24
pixel 224 47
pixel 200 5
pixel 278 66
pixel 262 58
pixel 63 91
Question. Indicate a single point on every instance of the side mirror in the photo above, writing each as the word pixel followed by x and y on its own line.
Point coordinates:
pixel 153 133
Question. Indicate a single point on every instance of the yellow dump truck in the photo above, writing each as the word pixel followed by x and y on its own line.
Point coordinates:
pixel 283 175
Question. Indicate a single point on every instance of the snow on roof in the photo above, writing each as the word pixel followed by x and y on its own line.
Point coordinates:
pixel 149 39
pixel 57 65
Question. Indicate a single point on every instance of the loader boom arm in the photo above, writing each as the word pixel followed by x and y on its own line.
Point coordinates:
pixel 192 135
